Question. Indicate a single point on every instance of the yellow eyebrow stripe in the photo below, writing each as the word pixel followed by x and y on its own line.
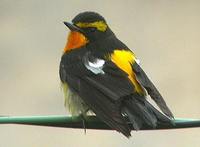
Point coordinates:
pixel 100 25
pixel 123 59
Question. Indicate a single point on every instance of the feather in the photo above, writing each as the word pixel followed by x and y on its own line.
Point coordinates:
pixel 110 94
pixel 151 89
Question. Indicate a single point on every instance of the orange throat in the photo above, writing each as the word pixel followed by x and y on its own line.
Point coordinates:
pixel 75 40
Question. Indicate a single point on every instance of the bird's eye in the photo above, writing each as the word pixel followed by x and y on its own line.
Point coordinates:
pixel 93 29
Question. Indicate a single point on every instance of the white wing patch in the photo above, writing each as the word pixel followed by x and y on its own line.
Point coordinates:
pixel 98 64
pixel 95 67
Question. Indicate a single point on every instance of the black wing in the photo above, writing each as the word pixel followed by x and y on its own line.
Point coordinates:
pixel 101 92
pixel 151 89
pixel 107 91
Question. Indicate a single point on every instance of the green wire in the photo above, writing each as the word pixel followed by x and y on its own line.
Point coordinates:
pixel 91 122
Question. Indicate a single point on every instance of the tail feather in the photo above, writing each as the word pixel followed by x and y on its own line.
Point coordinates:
pixel 134 120
pixel 160 116
pixel 140 111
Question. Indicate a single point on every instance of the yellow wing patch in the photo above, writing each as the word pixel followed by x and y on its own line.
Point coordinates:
pixel 100 25
pixel 123 59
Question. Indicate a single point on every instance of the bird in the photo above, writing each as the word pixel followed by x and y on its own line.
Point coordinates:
pixel 100 75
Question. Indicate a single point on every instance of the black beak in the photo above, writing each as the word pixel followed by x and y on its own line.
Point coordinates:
pixel 72 27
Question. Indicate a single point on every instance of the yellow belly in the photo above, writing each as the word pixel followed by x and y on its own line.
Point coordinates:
pixel 73 103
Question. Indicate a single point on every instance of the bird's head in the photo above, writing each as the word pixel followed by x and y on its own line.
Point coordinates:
pixel 86 27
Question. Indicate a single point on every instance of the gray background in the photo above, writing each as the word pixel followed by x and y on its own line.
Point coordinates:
pixel 164 35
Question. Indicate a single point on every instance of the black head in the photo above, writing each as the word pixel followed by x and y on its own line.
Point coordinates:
pixel 88 17
pixel 91 24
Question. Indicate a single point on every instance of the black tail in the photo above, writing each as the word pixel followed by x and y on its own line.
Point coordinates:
pixel 140 112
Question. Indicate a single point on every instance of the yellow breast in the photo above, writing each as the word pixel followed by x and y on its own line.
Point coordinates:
pixel 123 59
